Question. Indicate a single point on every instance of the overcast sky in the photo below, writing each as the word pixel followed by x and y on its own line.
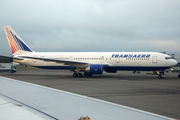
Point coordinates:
pixel 93 25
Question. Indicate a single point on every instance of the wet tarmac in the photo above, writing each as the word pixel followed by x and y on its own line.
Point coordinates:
pixel 142 91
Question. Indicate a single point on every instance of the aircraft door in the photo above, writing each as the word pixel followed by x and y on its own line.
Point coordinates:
pixel 71 58
pixel 154 59
pixel 117 60
pixel 34 60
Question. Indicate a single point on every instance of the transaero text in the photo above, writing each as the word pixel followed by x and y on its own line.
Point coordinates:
pixel 131 55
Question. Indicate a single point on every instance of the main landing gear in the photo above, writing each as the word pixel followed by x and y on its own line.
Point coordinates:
pixel 75 74
pixel 87 74
pixel 136 72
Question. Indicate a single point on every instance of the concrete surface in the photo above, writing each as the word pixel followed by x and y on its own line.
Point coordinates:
pixel 141 91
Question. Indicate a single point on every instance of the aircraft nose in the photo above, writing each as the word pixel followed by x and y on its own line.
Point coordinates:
pixel 175 62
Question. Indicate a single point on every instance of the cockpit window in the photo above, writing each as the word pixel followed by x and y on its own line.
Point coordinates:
pixel 167 58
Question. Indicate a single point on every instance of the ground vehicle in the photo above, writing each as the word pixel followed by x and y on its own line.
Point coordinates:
pixel 175 69
pixel 8 67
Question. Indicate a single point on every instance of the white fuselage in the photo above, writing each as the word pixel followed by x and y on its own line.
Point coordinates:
pixel 115 60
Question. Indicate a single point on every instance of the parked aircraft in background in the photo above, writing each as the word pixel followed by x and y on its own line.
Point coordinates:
pixel 86 62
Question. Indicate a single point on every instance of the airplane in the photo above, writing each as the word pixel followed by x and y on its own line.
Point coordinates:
pixel 88 63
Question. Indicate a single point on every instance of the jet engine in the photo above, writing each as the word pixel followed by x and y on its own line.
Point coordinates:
pixel 95 69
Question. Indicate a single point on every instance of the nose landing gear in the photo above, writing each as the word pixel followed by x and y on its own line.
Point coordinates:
pixel 160 76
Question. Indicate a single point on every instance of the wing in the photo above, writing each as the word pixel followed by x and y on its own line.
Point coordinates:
pixel 8 57
pixel 56 104
pixel 66 62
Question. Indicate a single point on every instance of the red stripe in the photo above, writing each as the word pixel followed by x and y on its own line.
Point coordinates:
pixel 11 43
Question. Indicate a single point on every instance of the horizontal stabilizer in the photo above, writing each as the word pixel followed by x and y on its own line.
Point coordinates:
pixel 8 57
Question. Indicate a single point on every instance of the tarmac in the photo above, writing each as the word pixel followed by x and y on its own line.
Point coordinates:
pixel 141 91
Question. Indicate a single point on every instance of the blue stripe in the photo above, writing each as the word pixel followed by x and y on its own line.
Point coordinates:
pixel 111 68
pixel 21 44
pixel 138 68
pixel 24 46
pixel 17 41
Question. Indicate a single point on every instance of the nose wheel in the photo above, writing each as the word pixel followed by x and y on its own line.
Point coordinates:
pixel 160 76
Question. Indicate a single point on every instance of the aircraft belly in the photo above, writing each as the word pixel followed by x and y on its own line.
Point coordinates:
pixel 142 68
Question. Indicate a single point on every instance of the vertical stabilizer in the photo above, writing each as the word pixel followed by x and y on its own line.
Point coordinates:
pixel 16 44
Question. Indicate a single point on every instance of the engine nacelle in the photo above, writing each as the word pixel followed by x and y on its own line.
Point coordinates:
pixel 95 69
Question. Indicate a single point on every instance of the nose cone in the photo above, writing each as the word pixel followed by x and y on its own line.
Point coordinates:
pixel 174 62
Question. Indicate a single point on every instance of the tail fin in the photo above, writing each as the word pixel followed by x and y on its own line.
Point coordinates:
pixel 16 44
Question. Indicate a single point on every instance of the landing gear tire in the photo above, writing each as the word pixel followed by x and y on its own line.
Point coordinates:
pixel 85 74
pixel 179 76
pixel 79 74
pixel 75 74
pixel 160 76
pixel 90 74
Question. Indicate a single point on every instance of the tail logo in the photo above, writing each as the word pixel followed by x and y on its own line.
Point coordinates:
pixel 16 43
